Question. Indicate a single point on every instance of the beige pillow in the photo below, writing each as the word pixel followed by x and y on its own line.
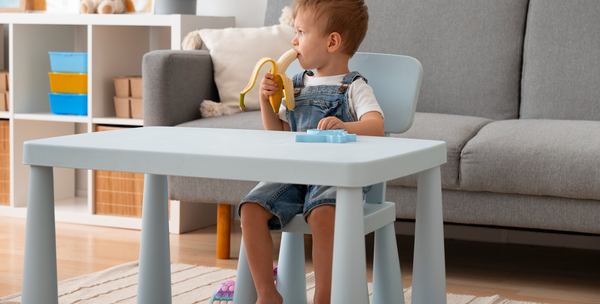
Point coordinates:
pixel 235 51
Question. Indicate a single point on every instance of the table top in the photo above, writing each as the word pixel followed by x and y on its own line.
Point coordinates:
pixel 255 155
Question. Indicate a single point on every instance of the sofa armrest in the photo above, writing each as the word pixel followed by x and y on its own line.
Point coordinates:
pixel 174 84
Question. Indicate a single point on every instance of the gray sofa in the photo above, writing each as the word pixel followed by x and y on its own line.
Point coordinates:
pixel 512 86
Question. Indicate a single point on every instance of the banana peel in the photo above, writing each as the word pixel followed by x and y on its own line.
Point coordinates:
pixel 285 85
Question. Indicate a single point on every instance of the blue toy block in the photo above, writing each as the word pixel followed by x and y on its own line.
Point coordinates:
pixel 326 136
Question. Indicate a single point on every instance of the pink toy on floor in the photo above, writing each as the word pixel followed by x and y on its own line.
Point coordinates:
pixel 224 295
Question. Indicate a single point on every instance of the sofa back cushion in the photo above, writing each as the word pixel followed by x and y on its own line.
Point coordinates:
pixel 471 50
pixel 561 70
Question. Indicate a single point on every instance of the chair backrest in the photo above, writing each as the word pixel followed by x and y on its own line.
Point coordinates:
pixel 396 82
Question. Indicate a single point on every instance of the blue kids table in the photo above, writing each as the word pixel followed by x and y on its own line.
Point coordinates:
pixel 243 155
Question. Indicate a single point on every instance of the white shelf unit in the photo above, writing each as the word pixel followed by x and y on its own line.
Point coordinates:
pixel 115 45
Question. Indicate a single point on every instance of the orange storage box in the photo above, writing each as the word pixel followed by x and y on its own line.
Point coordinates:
pixel 75 83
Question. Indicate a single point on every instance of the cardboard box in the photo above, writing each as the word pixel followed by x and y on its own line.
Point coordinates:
pixel 137 108
pixel 128 86
pixel 3 81
pixel 136 86
pixel 122 87
pixel 4 163
pixel 117 193
pixel 122 107
pixel 4 101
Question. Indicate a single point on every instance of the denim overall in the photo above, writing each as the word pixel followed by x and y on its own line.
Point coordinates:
pixel 313 103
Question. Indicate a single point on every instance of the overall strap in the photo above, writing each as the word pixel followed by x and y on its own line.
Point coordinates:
pixel 299 78
pixel 348 79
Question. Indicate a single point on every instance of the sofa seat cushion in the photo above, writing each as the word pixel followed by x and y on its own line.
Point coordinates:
pixel 455 130
pixel 538 157
pixel 505 210
pixel 243 120
pixel 207 190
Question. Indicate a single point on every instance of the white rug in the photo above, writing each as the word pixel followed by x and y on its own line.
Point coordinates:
pixel 190 284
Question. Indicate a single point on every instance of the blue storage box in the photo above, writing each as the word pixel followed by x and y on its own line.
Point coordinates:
pixel 68 104
pixel 68 62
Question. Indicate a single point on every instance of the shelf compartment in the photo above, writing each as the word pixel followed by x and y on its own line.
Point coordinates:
pixel 117 51
pixel 64 178
pixel 30 68
pixel 117 193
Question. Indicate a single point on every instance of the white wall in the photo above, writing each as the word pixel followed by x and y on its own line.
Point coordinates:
pixel 248 13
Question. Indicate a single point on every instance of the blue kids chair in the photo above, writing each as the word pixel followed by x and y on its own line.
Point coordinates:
pixel 396 81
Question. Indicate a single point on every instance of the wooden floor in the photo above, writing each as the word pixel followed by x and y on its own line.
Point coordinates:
pixel 544 274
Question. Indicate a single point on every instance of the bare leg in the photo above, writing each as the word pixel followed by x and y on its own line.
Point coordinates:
pixel 259 252
pixel 321 221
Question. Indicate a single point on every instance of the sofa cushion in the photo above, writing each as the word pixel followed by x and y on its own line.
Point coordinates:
pixel 561 69
pixel 233 67
pixel 207 190
pixel 537 157
pixel 455 130
pixel 243 120
pixel 509 210
pixel 471 50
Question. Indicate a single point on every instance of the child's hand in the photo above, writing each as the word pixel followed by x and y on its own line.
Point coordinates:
pixel 268 86
pixel 329 123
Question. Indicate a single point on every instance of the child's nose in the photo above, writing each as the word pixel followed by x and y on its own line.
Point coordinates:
pixel 295 40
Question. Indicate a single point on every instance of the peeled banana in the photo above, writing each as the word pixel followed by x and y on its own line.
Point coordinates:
pixel 285 85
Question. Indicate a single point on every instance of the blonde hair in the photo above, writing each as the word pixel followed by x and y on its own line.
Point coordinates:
pixel 349 18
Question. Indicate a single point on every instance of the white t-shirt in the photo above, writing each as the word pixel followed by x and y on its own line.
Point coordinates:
pixel 360 95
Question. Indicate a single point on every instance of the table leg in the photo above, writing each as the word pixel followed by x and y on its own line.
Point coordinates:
pixel 39 277
pixel 429 271
pixel 349 262
pixel 155 263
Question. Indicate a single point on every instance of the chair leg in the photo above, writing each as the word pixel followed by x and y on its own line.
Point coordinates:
pixel 291 280
pixel 245 292
pixel 223 230
pixel 387 278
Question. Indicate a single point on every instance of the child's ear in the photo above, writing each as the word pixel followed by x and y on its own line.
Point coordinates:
pixel 335 42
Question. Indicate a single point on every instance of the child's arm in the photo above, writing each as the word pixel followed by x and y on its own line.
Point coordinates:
pixel 270 119
pixel 370 123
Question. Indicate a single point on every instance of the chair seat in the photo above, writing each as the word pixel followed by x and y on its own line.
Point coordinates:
pixel 376 216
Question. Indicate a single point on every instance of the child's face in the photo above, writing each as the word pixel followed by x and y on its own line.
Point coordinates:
pixel 310 41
